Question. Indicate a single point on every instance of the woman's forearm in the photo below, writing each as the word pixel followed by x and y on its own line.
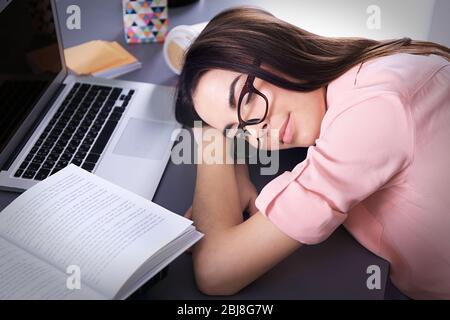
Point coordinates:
pixel 215 212
pixel 216 205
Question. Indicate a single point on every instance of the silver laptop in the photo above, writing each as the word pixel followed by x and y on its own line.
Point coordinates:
pixel 118 130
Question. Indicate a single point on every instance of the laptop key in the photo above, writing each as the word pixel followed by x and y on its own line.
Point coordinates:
pixel 107 108
pixel 84 148
pixel 62 142
pixel 18 173
pixel 62 164
pixel 88 166
pixel 104 136
pixel 92 134
pixel 78 135
pixel 38 159
pixel 116 93
pixel 88 140
pixel 42 174
pixel 115 116
pixel 60 125
pixel 92 157
pixel 99 122
pixel 43 152
pixel 80 154
pixel 57 149
pixel 49 164
pixel 77 162
pixel 24 165
pixel 71 149
pixel 55 171
pixel 66 157
pixel 102 98
pixel 84 87
pixel 34 166
pixel 51 139
pixel 48 144
pixel 53 156
pixel 39 141
pixel 29 174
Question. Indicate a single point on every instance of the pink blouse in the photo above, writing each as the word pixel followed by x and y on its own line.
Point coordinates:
pixel 381 167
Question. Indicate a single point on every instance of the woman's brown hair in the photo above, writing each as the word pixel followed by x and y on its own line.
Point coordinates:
pixel 236 38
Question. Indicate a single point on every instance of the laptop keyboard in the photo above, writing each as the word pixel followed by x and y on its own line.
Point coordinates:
pixel 78 132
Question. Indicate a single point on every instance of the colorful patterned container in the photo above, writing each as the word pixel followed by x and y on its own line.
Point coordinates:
pixel 145 20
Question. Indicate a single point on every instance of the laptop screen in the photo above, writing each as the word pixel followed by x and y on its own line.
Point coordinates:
pixel 29 60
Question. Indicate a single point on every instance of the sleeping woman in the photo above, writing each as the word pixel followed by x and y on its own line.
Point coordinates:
pixel 375 116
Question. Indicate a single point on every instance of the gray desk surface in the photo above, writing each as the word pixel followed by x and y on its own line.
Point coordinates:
pixel 335 269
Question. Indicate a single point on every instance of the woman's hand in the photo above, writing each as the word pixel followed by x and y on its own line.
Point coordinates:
pixel 246 189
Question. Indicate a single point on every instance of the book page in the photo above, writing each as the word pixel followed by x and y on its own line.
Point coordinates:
pixel 76 218
pixel 118 71
pixel 150 268
pixel 24 277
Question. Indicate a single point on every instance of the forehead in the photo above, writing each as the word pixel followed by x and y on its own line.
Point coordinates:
pixel 211 97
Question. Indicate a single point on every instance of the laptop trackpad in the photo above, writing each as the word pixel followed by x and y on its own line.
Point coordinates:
pixel 144 139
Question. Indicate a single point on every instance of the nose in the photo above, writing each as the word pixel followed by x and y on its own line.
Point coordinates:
pixel 261 128
pixel 254 111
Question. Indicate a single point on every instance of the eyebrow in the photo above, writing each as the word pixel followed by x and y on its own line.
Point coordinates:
pixel 231 102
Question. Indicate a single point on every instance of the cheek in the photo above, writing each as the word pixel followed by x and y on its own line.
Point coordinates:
pixel 308 127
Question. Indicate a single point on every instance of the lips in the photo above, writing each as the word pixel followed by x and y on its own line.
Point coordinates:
pixel 286 130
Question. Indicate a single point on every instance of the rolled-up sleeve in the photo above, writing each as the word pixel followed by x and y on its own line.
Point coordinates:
pixel 359 151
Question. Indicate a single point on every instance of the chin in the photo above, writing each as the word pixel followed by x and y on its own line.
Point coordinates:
pixel 304 141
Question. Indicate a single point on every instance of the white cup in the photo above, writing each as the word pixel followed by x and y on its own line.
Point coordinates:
pixel 177 42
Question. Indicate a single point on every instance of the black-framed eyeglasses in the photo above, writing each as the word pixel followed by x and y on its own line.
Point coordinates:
pixel 257 107
pixel 252 109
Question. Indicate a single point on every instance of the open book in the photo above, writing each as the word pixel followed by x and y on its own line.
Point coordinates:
pixel 75 226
